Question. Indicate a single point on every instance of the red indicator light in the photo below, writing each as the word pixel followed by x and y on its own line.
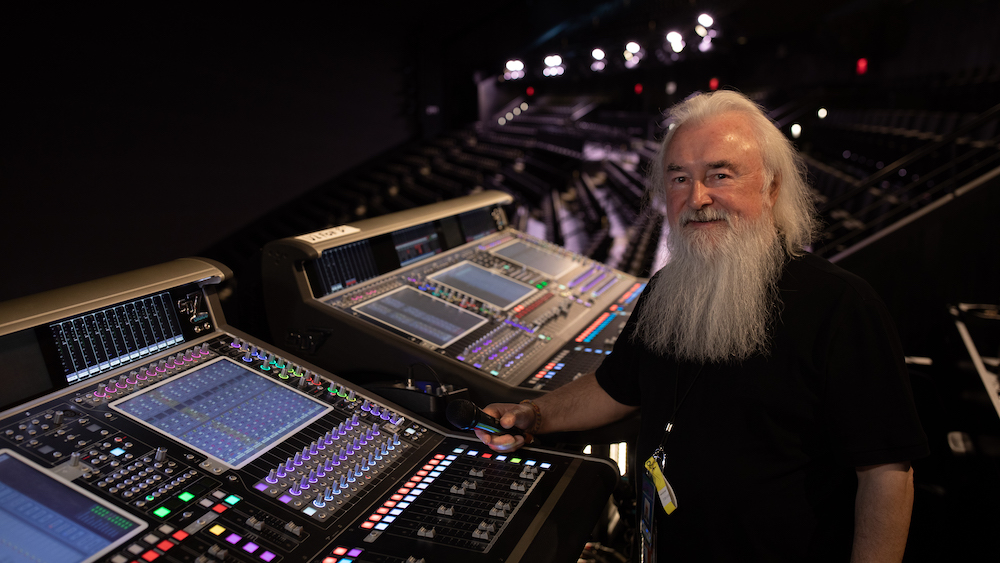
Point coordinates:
pixel 862 66
pixel 713 84
pixel 179 535
pixel 530 91
pixel 164 545
pixel 638 88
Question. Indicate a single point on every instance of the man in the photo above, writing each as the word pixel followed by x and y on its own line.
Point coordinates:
pixel 791 421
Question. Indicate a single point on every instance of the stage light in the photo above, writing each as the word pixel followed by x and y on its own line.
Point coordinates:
pixel 501 121
pixel 706 20
pixel 597 54
pixel 530 91
pixel 515 65
pixel 862 66
pixel 713 84
pixel 677 46
pixel 822 113
pixel 674 37
pixel 597 66
pixel 638 88
pixel 553 60
pixel 671 88
pixel 705 44
pixel 700 30
pixel 796 130
pixel 632 47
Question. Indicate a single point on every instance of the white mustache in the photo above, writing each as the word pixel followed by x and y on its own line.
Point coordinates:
pixel 702 215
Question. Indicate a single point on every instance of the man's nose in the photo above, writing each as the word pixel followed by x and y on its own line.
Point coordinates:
pixel 698 197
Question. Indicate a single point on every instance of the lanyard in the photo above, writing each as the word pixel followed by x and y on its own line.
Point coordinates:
pixel 660 452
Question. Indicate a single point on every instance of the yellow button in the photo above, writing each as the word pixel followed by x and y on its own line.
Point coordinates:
pixel 216 529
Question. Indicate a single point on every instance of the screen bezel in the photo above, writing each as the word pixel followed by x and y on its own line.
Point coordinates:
pixel 141 525
pixel 274 442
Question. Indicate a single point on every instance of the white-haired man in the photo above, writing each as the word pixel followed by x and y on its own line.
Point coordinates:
pixel 777 419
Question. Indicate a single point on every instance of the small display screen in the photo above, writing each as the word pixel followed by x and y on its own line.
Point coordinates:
pixel 415 313
pixel 491 287
pixel 224 410
pixel 44 518
pixel 102 340
pixel 548 263
pixel 416 243
pixel 344 266
pixel 477 224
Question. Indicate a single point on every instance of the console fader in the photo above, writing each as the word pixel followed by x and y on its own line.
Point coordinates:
pixel 450 285
pixel 137 426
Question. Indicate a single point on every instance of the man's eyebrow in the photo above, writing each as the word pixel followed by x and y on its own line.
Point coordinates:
pixel 673 167
pixel 721 164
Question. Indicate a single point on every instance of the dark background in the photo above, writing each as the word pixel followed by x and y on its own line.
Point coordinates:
pixel 133 136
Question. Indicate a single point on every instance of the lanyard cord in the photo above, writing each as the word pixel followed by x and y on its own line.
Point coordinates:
pixel 677 406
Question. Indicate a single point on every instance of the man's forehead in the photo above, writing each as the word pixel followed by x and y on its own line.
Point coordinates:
pixel 720 141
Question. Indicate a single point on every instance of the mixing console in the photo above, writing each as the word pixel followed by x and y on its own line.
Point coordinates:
pixel 488 307
pixel 137 433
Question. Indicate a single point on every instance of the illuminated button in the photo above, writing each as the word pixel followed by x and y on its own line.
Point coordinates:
pixel 267 556
pixel 250 547
pixel 368 525
pixel 179 535
pixel 340 551
pixel 185 496
pixel 164 545
pixel 232 500
pixel 220 508
pixel 150 555
pixel 233 538
pixel 216 530
pixel 162 512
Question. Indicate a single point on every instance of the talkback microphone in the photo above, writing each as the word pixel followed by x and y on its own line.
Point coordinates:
pixel 465 415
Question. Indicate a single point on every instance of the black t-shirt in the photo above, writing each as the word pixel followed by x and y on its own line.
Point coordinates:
pixel 762 453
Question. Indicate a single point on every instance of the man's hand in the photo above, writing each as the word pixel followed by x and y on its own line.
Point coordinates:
pixel 509 415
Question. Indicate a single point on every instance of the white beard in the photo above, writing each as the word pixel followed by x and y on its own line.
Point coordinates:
pixel 715 300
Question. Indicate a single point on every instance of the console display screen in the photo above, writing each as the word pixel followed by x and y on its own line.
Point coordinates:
pixel 224 410
pixel 548 263
pixel 415 313
pixel 491 287
pixel 44 518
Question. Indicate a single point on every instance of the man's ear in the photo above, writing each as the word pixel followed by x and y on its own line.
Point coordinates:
pixel 772 191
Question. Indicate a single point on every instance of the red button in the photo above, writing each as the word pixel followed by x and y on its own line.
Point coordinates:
pixel 165 545
pixel 150 555
pixel 180 535
pixel 219 508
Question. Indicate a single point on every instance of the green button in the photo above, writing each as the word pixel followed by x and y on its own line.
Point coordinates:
pixel 515 460
pixel 162 512
pixel 232 499
pixel 185 496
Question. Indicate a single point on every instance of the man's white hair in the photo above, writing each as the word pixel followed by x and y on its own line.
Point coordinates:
pixel 794 212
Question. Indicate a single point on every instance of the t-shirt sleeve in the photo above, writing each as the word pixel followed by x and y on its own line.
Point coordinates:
pixel 618 374
pixel 872 415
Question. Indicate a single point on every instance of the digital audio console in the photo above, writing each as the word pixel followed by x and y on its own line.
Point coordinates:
pixel 450 285
pixel 136 426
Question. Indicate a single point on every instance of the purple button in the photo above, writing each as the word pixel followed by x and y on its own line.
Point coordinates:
pixel 267 556
pixel 233 538
pixel 260 486
pixel 354 552
pixel 250 547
